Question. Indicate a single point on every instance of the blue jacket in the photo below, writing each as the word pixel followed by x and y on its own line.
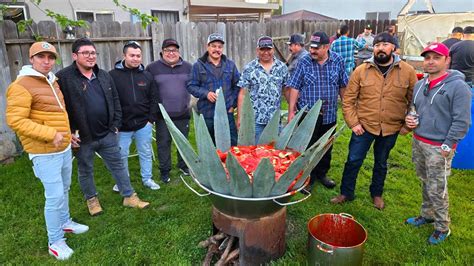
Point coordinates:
pixel 203 80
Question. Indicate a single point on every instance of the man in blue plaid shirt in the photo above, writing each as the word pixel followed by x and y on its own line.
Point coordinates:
pixel 319 75
pixel 345 47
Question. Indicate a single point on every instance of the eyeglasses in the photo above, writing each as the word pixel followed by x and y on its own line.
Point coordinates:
pixel 169 51
pixel 88 53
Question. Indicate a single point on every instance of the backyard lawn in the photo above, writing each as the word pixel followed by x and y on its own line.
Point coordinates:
pixel 169 231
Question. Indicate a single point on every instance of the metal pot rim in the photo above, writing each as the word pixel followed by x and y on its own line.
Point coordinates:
pixel 291 193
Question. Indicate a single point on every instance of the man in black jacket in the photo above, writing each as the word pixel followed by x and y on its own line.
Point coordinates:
pixel 94 112
pixel 138 98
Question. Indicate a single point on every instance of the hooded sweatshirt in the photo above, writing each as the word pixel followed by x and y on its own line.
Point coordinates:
pixel 138 96
pixel 36 112
pixel 444 112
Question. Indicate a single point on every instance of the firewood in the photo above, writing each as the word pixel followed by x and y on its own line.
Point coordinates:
pixel 232 255
pixel 223 258
pixel 212 240
pixel 212 249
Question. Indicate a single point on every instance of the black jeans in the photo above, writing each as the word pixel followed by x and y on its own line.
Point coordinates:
pixel 163 143
pixel 358 147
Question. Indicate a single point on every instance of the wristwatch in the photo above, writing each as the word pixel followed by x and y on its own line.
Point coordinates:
pixel 445 148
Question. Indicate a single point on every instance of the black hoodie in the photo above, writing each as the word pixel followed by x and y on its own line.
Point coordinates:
pixel 138 96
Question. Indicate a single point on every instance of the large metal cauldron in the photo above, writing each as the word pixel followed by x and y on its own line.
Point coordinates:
pixel 249 208
pixel 335 239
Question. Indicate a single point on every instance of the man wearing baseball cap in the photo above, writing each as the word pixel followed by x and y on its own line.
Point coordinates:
pixel 374 106
pixel 264 78
pixel 297 51
pixel 367 51
pixel 320 75
pixel 37 113
pixel 171 74
pixel 212 74
pixel 443 103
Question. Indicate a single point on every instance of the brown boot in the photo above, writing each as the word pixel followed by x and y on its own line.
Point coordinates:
pixel 94 206
pixel 339 199
pixel 135 202
pixel 378 202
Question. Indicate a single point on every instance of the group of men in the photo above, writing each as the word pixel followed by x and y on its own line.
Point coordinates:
pixel 91 111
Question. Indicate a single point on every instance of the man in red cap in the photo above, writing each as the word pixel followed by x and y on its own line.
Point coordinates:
pixel 442 102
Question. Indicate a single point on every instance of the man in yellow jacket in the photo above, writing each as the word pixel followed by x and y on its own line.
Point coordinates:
pixel 374 106
pixel 36 112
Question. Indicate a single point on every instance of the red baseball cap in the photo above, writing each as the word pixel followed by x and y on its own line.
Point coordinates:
pixel 438 48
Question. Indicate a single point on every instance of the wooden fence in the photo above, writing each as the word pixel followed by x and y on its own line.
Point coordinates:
pixel 241 39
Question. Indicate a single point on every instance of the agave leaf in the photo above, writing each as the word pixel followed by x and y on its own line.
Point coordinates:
pixel 247 122
pixel 290 174
pixel 210 159
pixel 263 179
pixel 270 132
pixel 302 135
pixel 288 131
pixel 221 124
pixel 322 145
pixel 185 149
pixel 195 121
pixel 239 180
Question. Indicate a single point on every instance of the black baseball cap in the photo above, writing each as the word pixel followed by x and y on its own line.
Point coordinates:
pixel 296 38
pixel 384 37
pixel 215 37
pixel 319 38
pixel 265 42
pixel 368 27
pixel 169 42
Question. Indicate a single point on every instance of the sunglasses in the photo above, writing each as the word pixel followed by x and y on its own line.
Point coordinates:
pixel 426 89
pixel 132 43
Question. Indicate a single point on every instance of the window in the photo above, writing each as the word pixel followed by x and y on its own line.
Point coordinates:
pixel 91 16
pixel 166 16
pixel 15 13
pixel 377 16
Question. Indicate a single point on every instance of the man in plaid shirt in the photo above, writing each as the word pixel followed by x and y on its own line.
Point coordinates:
pixel 345 47
pixel 318 75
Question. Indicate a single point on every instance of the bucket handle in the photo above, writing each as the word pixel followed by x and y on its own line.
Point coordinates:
pixel 308 194
pixel 192 189
pixel 346 215
pixel 329 249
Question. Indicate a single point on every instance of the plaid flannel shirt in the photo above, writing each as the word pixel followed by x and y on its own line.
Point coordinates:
pixel 345 47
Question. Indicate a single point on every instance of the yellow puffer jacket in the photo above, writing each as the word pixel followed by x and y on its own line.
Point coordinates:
pixel 36 112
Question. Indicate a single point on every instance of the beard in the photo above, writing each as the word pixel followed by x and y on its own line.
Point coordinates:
pixel 382 58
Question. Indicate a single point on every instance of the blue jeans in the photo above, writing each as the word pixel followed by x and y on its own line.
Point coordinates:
pixel 232 127
pixel 258 131
pixel 143 138
pixel 108 148
pixel 358 147
pixel 54 171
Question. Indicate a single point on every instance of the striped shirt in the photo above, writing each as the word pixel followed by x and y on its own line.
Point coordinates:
pixel 345 47
pixel 315 81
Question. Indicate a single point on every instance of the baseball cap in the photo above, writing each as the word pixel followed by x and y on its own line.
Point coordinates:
pixel 384 37
pixel 265 42
pixel 368 27
pixel 39 47
pixel 213 37
pixel 319 38
pixel 169 42
pixel 296 38
pixel 436 47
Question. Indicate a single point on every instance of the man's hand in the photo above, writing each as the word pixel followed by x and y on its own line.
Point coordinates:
pixel 358 129
pixel 212 96
pixel 410 121
pixel 404 131
pixel 75 141
pixel 291 115
pixel 445 154
pixel 58 138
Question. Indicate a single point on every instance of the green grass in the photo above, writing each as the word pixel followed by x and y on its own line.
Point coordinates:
pixel 168 232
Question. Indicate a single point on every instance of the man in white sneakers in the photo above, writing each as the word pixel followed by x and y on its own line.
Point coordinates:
pixel 37 113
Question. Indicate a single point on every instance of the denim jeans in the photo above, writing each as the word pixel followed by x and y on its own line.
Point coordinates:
pixel 143 138
pixel 232 127
pixel 358 147
pixel 163 143
pixel 54 171
pixel 258 131
pixel 108 148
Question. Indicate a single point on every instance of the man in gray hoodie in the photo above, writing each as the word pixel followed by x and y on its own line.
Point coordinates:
pixel 440 116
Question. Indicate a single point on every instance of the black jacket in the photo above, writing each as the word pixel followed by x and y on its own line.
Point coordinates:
pixel 138 96
pixel 71 83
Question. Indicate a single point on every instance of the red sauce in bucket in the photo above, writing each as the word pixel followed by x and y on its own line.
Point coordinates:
pixel 337 230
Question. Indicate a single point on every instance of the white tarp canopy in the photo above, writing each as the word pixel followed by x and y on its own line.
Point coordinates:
pixel 416 31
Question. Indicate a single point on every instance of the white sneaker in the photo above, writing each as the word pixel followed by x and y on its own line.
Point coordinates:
pixel 151 184
pixel 75 228
pixel 115 188
pixel 60 250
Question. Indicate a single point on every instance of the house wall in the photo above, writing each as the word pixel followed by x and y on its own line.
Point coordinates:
pixel 356 9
